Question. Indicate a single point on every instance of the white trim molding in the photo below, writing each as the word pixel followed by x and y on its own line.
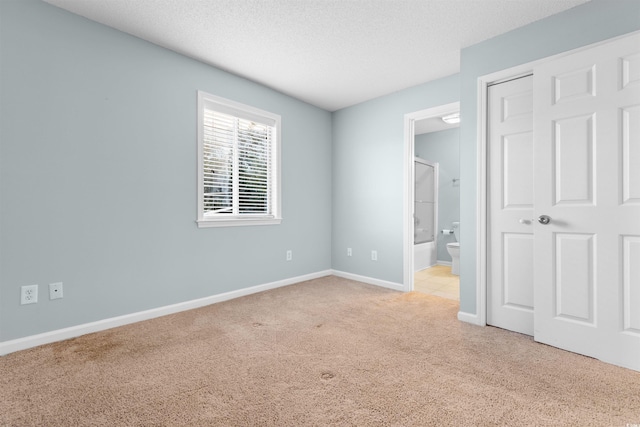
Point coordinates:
pixel 101 325
pixel 470 318
pixel 369 280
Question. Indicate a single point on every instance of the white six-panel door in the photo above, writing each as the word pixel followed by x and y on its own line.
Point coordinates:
pixel 510 203
pixel 587 181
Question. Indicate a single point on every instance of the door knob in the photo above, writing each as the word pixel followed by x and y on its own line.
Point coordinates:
pixel 544 219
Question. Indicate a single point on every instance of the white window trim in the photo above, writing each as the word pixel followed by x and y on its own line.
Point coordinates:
pixel 276 216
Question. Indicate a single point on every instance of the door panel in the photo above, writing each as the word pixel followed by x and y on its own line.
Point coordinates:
pixel 510 204
pixel 517 167
pixel 518 270
pixel 630 69
pixel 574 85
pixel 573 160
pixel 574 287
pixel 586 154
pixel 631 278
pixel 631 154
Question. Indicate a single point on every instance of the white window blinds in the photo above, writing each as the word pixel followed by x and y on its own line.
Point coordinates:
pixel 238 163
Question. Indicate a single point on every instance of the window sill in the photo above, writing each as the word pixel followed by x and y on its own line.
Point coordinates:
pixel 208 223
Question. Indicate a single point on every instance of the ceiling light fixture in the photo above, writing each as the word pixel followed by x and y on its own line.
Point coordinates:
pixel 451 119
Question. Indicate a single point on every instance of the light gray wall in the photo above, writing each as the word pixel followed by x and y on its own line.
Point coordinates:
pixel 98 168
pixel 367 178
pixel 98 176
pixel 589 23
pixel 444 148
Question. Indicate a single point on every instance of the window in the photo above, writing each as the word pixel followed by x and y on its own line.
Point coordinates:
pixel 238 164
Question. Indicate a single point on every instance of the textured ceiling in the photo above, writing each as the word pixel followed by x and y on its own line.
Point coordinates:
pixel 330 53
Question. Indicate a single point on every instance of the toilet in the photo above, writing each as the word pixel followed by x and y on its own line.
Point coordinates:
pixel 454 249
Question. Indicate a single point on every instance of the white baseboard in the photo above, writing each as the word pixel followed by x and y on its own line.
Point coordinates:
pixel 369 280
pixel 447 263
pixel 469 318
pixel 423 268
pixel 101 325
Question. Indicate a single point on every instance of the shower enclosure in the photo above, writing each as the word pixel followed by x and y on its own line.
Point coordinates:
pixel 425 214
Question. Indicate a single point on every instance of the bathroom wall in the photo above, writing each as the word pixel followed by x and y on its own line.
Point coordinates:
pixel 443 147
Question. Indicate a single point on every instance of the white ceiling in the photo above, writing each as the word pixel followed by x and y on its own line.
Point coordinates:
pixel 433 124
pixel 329 53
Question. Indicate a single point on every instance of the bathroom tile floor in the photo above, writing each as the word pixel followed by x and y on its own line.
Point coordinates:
pixel 439 281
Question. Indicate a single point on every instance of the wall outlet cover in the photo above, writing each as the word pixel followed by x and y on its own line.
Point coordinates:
pixel 29 294
pixel 55 290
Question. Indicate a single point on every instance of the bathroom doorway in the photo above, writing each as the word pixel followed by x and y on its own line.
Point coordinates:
pixel 436 142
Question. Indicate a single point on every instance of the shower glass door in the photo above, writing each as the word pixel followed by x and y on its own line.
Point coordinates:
pixel 425 201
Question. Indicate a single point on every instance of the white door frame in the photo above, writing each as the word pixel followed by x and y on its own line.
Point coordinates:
pixel 408 180
pixel 481 178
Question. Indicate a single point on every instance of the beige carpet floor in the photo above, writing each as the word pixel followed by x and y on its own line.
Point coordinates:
pixel 324 352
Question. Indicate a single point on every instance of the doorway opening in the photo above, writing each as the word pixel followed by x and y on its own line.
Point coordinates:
pixel 427 260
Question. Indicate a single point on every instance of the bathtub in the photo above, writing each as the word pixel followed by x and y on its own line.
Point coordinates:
pixel 425 255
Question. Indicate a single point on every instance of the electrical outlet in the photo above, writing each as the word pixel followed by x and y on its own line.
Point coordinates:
pixel 29 294
pixel 374 255
pixel 349 252
pixel 289 255
pixel 55 290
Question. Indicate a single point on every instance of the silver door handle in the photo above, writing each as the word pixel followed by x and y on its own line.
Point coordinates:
pixel 544 219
